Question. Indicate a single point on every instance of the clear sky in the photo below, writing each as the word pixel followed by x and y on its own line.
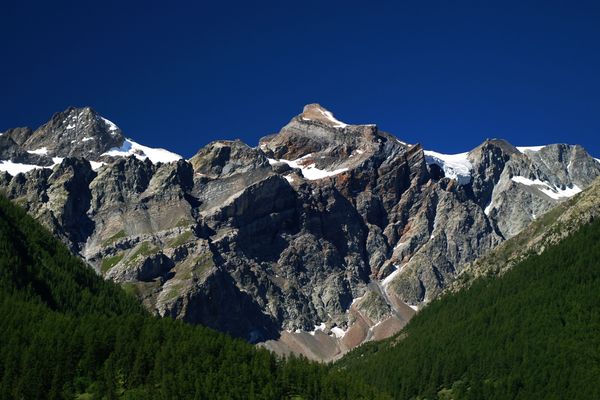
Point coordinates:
pixel 178 74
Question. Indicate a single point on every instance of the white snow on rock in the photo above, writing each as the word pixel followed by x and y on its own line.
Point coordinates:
pixel 356 300
pixel 548 189
pixel 357 151
pixel 455 166
pixel 388 279
pixel 310 172
pixel 557 193
pixel 17 168
pixel 320 327
pixel 328 116
pixel 41 151
pixel 111 125
pixel 141 152
pixel 96 165
pixel 529 148
pixel 338 332
pixel 488 209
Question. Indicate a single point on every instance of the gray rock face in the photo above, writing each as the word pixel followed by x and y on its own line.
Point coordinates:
pixel 75 133
pixel 72 133
pixel 322 237
pixel 516 187
pixel 562 221
pixel 223 159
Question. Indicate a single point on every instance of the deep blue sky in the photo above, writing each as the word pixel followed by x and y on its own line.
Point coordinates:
pixel 180 74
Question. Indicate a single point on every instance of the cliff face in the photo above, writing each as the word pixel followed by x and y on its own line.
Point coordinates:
pixel 321 237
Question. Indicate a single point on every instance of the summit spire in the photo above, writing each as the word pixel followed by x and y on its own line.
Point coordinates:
pixel 316 112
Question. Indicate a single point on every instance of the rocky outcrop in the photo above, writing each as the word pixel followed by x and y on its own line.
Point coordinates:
pixel 323 236
pixel 548 230
pixel 75 133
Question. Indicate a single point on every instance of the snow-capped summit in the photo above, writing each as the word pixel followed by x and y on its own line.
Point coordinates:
pixel 75 132
pixel 315 112
pixel 354 229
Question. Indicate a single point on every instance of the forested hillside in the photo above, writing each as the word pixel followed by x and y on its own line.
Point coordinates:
pixel 533 333
pixel 529 334
pixel 66 333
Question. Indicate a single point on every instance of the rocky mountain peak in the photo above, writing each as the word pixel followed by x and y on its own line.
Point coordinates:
pixel 323 236
pixel 496 145
pixel 75 132
pixel 319 144
pixel 316 112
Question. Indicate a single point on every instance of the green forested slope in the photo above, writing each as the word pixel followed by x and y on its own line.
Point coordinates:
pixel 66 333
pixel 533 333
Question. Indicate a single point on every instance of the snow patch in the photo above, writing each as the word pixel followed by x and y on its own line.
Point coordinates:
pixel 433 229
pixel 557 193
pixel 141 152
pixel 320 327
pixel 455 166
pixel 16 168
pixel 357 151
pixel 96 165
pixel 329 117
pixel 41 151
pixel 112 128
pixel 488 209
pixel 310 172
pixel 86 139
pixel 356 300
pixel 416 308
pixel 338 332
pixel 388 279
pixel 530 148
pixel 399 244
pixel 548 189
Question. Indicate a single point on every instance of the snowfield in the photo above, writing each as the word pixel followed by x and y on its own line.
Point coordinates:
pixel 548 189
pixel 131 148
pixel 310 172
pixel 529 148
pixel 455 166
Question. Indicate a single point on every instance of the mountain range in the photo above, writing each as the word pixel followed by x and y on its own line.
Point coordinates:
pixel 323 236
